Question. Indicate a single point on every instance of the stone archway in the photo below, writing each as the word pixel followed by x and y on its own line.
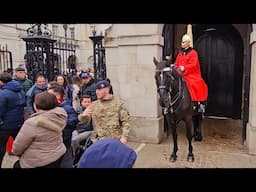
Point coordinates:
pixel 220 50
pixel 243 32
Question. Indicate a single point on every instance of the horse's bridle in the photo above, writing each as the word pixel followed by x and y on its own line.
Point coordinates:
pixel 169 90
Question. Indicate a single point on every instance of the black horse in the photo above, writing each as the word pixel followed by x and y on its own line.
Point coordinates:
pixel 177 105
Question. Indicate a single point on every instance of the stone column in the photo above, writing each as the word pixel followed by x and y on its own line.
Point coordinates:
pixel 85 50
pixel 251 125
pixel 130 49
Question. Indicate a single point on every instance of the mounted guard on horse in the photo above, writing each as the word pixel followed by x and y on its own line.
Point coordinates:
pixel 180 87
pixel 187 65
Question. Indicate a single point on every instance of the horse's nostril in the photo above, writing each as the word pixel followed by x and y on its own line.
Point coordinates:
pixel 162 103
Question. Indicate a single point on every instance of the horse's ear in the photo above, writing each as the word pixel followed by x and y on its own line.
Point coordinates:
pixel 155 61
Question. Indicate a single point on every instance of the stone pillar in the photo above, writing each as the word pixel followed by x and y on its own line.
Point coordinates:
pixel 130 49
pixel 251 125
pixel 85 46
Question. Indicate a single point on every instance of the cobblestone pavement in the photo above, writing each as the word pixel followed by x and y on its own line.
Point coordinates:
pixel 221 148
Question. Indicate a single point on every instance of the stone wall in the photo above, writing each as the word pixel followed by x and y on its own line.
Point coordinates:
pixel 130 49
pixel 251 125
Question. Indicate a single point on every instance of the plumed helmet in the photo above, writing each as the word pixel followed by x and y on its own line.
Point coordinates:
pixel 186 38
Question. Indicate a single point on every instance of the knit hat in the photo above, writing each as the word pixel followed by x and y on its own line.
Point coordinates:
pixel 20 68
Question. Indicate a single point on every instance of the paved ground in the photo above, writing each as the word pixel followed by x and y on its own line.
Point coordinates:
pixel 221 148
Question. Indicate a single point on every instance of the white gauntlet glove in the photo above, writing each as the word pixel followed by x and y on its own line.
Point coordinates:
pixel 182 68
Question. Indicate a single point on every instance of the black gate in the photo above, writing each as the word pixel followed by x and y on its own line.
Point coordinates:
pixel 99 61
pixel 5 59
pixel 47 56
pixel 64 58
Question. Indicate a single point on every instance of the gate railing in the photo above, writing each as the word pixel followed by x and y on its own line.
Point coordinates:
pixel 47 55
pixel 5 59
pixel 64 57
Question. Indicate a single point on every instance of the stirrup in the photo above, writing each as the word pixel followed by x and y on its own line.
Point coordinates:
pixel 201 108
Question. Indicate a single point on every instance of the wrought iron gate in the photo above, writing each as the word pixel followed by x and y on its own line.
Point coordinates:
pixel 5 59
pixel 47 56
pixel 64 58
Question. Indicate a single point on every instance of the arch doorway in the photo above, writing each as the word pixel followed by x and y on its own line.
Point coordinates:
pixel 220 50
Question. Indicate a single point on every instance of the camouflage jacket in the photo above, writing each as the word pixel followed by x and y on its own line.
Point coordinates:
pixel 110 118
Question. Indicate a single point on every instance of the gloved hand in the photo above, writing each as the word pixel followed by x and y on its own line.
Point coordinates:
pixel 182 68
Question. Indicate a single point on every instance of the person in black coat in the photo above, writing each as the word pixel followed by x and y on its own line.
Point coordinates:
pixel 88 85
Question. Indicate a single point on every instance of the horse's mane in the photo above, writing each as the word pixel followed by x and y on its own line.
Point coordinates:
pixel 174 73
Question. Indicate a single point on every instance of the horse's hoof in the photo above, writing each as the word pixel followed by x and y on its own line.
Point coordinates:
pixel 173 158
pixel 198 137
pixel 190 158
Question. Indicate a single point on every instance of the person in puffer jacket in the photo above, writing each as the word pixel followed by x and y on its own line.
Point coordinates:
pixel 39 143
pixel 12 103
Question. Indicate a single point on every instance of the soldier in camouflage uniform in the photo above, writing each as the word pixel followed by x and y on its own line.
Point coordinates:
pixel 110 118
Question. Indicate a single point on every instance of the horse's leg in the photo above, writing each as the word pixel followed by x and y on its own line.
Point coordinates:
pixel 166 127
pixel 189 125
pixel 200 118
pixel 197 120
pixel 173 156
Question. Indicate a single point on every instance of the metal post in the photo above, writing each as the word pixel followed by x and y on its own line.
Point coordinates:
pixel 94 52
pixel 65 27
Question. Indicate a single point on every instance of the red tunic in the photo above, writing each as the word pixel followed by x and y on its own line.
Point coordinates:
pixel 192 75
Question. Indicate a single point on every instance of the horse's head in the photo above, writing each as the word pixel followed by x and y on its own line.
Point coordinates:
pixel 165 77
